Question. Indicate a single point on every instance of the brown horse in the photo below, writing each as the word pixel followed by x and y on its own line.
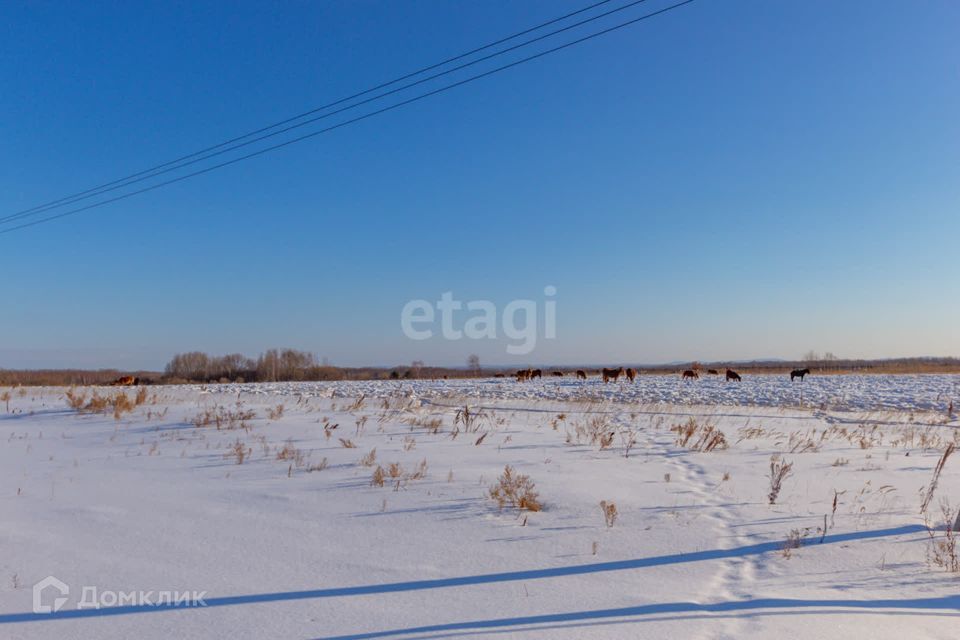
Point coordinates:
pixel 733 375
pixel 523 374
pixel 126 381
pixel 581 374
pixel 558 374
pixel 713 372
pixel 691 374
pixel 611 374
pixel 631 374
pixel 536 373
pixel 798 373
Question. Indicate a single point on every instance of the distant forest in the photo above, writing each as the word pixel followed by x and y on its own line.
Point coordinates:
pixel 278 365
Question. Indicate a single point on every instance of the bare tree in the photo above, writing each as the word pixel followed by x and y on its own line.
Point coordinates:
pixel 416 367
pixel 473 364
pixel 811 356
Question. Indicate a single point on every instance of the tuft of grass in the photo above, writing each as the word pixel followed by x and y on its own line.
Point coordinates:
pixel 699 437
pixel 290 453
pixel 419 472
pixel 238 451
pixel 118 403
pixel 516 490
pixel 928 495
pixel 609 512
pixel 780 470
pixel 369 459
pixel 942 551
pixel 317 467
pixel 794 541
pixel 223 418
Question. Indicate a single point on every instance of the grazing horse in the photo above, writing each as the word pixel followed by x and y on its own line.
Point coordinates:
pixel 536 373
pixel 581 374
pixel 713 372
pixel 499 375
pixel 733 375
pixel 798 373
pixel 631 374
pixel 558 374
pixel 523 374
pixel 126 381
pixel 691 374
pixel 611 374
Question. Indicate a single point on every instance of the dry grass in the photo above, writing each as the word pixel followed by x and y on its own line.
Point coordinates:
pixel 378 477
pixel 928 494
pixel 516 490
pixel 609 512
pixel 699 437
pixel 419 472
pixel 290 453
pixel 224 419
pixel 468 418
pixel 239 451
pixel 119 403
pixel 795 540
pixel 347 443
pixel 275 413
pixel 317 467
pixel 369 459
pixel 780 470
pixel 942 551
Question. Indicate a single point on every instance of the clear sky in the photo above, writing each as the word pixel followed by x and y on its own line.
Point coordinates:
pixel 734 179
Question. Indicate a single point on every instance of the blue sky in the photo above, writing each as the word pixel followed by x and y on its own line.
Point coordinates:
pixel 733 179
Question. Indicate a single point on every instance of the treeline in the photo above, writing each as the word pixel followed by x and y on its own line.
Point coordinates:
pixel 66 377
pixel 274 365
pixel 282 365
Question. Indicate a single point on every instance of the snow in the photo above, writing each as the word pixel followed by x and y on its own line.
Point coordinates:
pixel 299 548
pixel 921 392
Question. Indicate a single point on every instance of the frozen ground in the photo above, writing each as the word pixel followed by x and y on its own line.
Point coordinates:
pixel 296 541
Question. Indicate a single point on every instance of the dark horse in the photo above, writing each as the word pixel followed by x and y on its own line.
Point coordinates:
pixel 733 375
pixel 611 374
pixel 690 373
pixel 536 373
pixel 631 374
pixel 558 374
pixel 581 374
pixel 798 373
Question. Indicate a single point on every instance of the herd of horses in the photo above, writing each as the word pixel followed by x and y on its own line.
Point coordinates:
pixel 612 375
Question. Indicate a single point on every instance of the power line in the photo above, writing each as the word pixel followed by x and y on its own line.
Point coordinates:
pixel 220 150
pixel 352 120
pixel 75 197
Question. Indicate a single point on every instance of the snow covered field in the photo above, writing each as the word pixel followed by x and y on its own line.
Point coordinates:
pixel 907 392
pixel 277 517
